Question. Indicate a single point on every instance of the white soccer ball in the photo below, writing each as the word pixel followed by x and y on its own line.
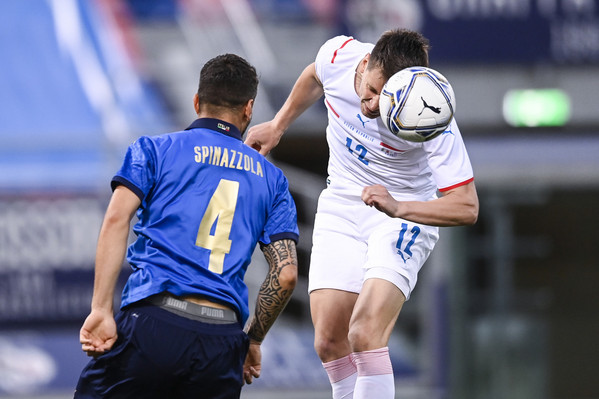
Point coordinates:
pixel 417 104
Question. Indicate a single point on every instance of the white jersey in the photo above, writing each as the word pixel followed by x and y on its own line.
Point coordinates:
pixel 363 152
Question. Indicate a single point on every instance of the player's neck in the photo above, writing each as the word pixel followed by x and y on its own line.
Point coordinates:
pixel 236 120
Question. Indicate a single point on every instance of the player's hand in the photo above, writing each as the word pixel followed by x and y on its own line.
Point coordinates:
pixel 379 197
pixel 253 363
pixel 263 137
pixel 98 333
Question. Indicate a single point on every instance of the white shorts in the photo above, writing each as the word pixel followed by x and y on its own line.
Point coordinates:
pixel 353 242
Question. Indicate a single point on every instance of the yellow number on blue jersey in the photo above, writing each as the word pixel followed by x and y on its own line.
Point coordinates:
pixel 221 209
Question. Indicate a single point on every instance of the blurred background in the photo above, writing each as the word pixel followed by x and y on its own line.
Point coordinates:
pixel 504 309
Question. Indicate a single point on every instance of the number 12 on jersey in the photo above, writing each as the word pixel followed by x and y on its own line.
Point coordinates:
pixel 405 250
pixel 359 150
pixel 215 226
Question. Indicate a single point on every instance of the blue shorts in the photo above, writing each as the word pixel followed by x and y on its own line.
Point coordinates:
pixel 159 354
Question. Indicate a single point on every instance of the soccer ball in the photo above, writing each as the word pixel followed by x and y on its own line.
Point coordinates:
pixel 417 104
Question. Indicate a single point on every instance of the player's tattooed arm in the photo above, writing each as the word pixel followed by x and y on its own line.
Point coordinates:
pixel 276 289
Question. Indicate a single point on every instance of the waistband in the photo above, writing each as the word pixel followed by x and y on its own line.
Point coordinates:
pixel 193 311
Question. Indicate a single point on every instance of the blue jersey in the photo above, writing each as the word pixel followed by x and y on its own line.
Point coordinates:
pixel 206 200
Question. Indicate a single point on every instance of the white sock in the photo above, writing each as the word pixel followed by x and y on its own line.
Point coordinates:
pixel 342 375
pixel 375 374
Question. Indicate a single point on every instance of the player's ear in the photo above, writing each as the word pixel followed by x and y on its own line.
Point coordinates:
pixel 364 63
pixel 196 103
pixel 248 109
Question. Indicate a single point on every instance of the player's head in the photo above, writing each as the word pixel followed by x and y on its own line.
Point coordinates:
pixel 395 50
pixel 228 86
pixel 399 49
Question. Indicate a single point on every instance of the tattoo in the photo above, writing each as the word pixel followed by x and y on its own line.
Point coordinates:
pixel 273 297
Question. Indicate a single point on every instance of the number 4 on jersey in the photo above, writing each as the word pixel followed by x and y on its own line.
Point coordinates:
pixel 215 226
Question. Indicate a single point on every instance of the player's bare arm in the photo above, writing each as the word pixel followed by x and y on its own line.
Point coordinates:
pixel 277 287
pixel 273 296
pixel 98 332
pixel 457 207
pixel 306 91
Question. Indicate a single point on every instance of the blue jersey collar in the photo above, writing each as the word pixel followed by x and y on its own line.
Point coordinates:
pixel 216 125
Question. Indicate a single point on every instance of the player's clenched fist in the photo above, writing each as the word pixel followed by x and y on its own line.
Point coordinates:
pixel 378 196
pixel 98 333
pixel 263 137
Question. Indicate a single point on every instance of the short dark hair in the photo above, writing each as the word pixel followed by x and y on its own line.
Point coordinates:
pixel 227 80
pixel 398 49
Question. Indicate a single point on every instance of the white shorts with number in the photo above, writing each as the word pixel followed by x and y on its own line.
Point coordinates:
pixel 353 242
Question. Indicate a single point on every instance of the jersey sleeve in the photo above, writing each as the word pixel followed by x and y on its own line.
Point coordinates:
pixel 138 171
pixel 448 159
pixel 327 54
pixel 282 217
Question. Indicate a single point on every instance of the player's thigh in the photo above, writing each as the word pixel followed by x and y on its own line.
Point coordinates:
pixel 375 314
pixel 397 250
pixel 338 251
pixel 331 311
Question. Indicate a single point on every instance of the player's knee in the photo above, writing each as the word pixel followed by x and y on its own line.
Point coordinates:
pixel 324 347
pixel 357 339
pixel 328 348
pixel 361 337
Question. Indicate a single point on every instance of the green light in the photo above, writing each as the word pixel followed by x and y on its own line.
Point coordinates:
pixel 535 108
